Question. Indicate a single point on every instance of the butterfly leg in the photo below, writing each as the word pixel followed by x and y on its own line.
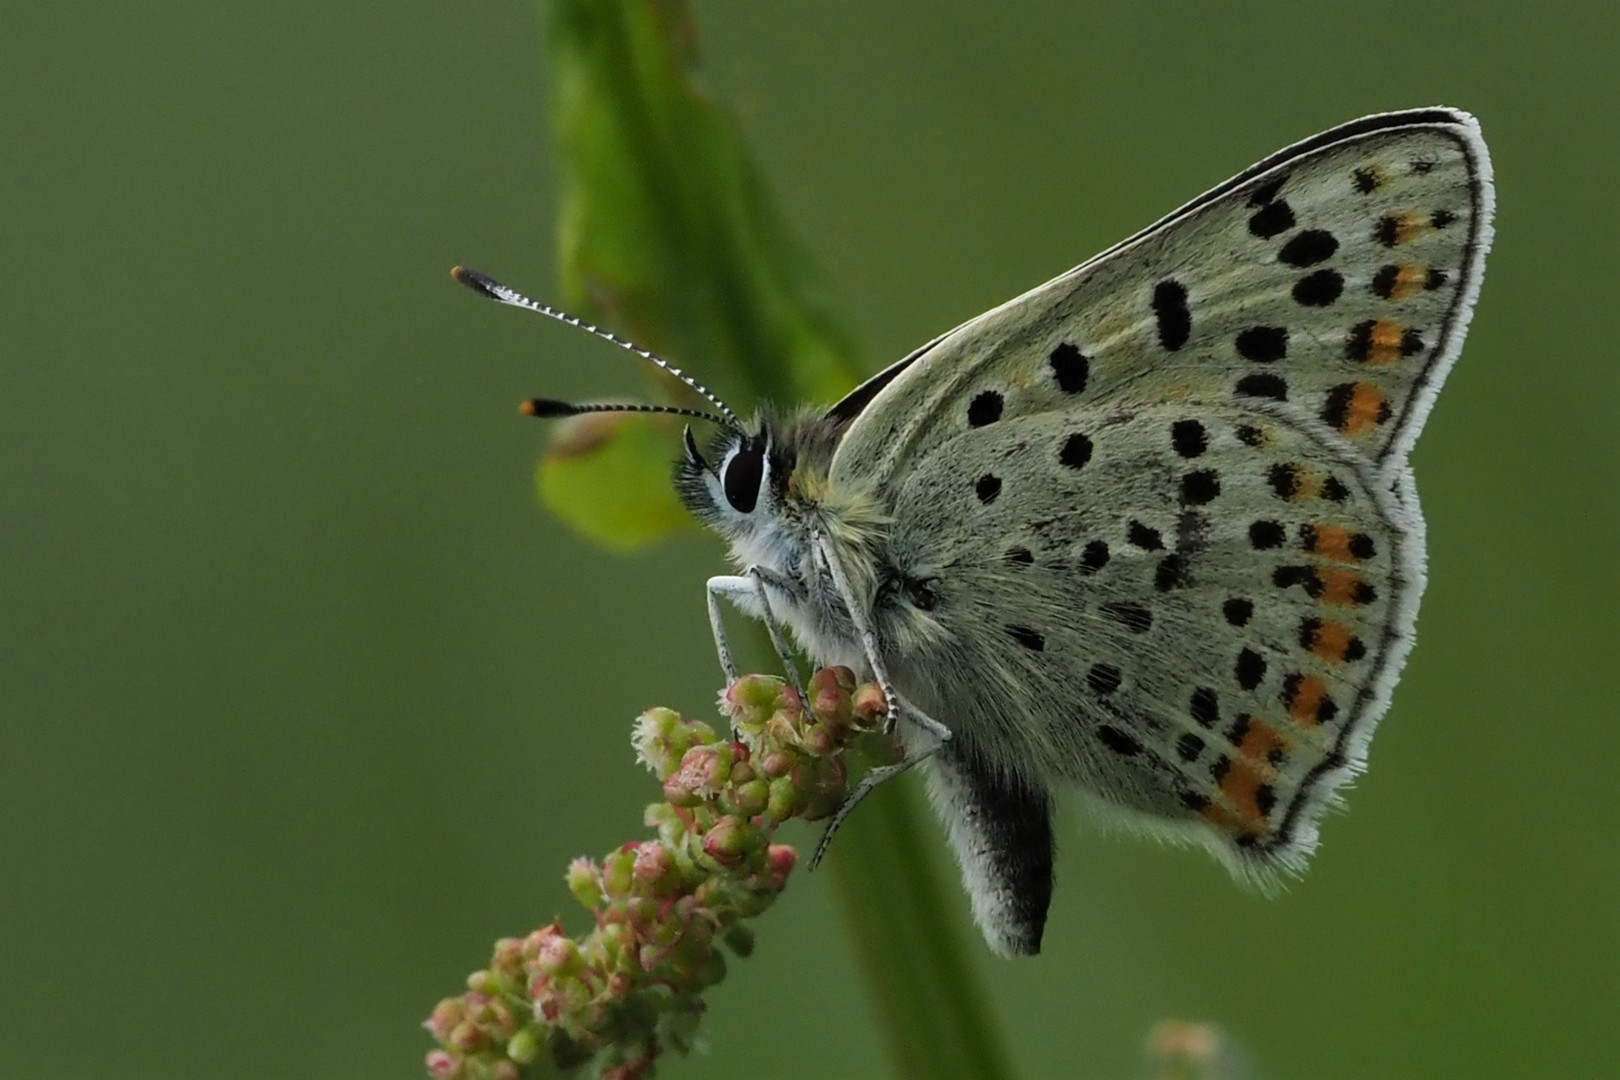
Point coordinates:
pixel 869 645
pixel 869 783
pixel 750 586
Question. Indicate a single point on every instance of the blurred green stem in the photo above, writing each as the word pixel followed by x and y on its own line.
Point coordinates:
pixel 929 1004
pixel 668 234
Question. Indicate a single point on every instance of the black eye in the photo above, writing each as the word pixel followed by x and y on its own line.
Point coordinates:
pixel 743 474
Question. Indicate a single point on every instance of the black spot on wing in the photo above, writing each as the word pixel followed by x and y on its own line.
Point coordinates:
pixel 1308 247
pixel 1383 282
pixel 1029 639
pixel 984 409
pixel 1250 669
pixel 1263 386
pixel 1262 343
pixel 1104 679
pixel 1189 438
pixel 1146 538
pixel 1118 741
pixel 1204 707
pixel 1171 573
pixel 1268 191
pixel 1319 288
pixel 1265 535
pixel 1284 480
pixel 1076 451
pixel 1071 368
pixel 987 488
pixel 1200 487
pixel 1171 312
pixel 1238 611
pixel 1272 219
pixel 1094 557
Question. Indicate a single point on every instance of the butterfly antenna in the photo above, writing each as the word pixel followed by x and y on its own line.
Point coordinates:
pixel 546 409
pixel 494 290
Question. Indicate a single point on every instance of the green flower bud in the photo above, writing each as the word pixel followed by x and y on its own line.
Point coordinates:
pixel 657 736
pixel 618 873
pixel 785 799
pixel 524 1047
pixel 729 841
pixel 585 882
pixel 751 699
pixel 751 799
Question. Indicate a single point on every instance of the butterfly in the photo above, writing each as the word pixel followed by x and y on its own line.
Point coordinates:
pixel 1146 533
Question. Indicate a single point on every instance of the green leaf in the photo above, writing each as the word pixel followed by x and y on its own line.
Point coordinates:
pixel 608 475
pixel 667 229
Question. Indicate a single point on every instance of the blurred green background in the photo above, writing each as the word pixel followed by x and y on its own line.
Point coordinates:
pixel 303 700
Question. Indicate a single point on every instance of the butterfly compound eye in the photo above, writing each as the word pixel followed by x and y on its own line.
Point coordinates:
pixel 743 473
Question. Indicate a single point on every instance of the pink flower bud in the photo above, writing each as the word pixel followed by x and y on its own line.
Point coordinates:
pixel 820 740
pixel 870 705
pixel 465 1037
pixel 446 1015
pixel 558 956
pixel 828 699
pixel 442 1066
pixel 507 961
pixel 654 865
pixel 505 1070
pixel 776 763
pixel 781 859
pixel 705 769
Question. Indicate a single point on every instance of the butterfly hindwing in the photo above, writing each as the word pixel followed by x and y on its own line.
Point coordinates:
pixel 1208 662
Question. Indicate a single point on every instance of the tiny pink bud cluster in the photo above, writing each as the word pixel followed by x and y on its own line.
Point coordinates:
pixel 632 987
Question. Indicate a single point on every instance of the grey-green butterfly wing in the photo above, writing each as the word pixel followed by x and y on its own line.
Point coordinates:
pixel 1160 510
pixel 1337 275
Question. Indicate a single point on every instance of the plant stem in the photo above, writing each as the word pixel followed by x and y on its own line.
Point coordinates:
pixel 932 1011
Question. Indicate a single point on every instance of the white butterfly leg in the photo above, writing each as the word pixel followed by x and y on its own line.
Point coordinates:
pixel 869 647
pixel 930 727
pixel 735 588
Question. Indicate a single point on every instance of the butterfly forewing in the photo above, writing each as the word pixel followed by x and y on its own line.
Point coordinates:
pixel 1337 277
pixel 1160 503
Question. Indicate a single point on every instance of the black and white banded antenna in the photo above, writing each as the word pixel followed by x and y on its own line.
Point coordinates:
pixel 544 407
